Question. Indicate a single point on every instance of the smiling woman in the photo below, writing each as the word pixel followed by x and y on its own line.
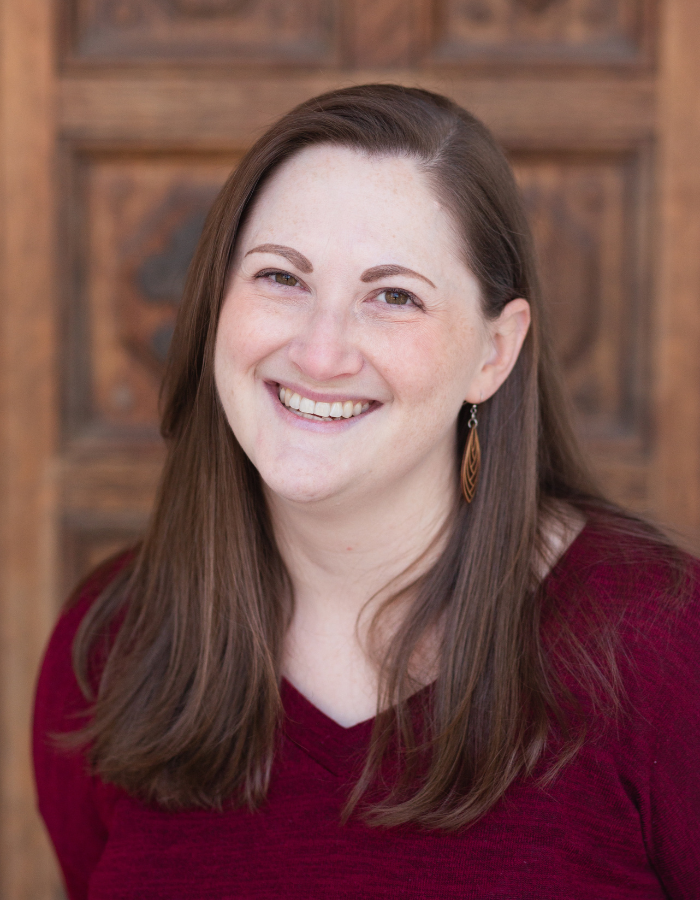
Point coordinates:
pixel 350 322
pixel 327 670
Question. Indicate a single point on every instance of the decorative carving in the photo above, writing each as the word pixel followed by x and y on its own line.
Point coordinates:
pixel 161 276
pixel 569 251
pixel 543 31
pixel 210 7
pixel 581 220
pixel 266 31
pixel 144 218
pixel 535 6
pixel 155 273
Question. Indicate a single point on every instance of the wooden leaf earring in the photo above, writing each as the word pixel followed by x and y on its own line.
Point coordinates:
pixel 471 461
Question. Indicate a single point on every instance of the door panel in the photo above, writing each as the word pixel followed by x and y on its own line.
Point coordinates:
pixel 264 32
pixel 140 108
pixel 582 212
pixel 544 32
pixel 141 216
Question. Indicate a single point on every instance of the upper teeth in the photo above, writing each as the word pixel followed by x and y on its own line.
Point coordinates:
pixel 320 408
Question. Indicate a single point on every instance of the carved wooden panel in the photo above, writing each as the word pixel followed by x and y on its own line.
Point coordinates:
pixel 544 31
pixel 105 499
pixel 249 31
pixel 584 212
pixel 143 216
pixel 89 540
pixel 142 219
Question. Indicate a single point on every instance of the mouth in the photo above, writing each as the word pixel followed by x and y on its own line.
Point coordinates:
pixel 321 410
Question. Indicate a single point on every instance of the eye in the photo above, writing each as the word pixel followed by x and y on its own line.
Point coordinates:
pixel 279 278
pixel 284 278
pixel 396 297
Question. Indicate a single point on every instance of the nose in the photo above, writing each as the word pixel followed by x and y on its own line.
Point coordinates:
pixel 324 349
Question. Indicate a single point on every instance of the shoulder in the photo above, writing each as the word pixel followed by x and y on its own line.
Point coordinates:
pixel 636 599
pixel 624 590
pixel 628 569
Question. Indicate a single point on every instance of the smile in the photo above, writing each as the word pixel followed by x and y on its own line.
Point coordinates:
pixel 321 410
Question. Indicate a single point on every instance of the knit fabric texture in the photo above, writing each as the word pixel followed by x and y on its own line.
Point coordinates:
pixel 621 821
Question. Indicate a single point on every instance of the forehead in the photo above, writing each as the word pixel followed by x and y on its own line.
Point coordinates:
pixel 326 162
pixel 339 193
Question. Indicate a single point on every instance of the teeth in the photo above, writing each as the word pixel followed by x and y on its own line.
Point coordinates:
pixel 321 409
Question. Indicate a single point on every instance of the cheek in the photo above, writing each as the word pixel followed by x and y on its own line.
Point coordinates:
pixel 434 367
pixel 247 334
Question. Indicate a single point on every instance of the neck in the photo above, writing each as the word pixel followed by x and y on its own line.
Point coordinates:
pixel 342 557
pixel 346 552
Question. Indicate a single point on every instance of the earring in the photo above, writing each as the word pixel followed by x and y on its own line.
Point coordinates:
pixel 471 460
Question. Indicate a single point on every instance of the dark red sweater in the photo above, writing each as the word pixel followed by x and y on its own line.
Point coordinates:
pixel 621 821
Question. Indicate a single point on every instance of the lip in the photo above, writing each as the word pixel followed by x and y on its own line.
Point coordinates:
pixel 316 396
pixel 309 424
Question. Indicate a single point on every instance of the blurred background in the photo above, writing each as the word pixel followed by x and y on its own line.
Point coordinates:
pixel 120 120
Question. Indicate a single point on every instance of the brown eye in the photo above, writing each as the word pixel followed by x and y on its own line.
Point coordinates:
pixel 285 278
pixel 398 298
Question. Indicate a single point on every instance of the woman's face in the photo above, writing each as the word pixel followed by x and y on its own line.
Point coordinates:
pixel 351 331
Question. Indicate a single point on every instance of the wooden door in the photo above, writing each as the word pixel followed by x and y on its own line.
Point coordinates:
pixel 121 119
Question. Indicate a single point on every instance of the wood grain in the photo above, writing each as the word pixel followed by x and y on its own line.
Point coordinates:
pixel 143 212
pixel 106 498
pixel 248 32
pixel 677 311
pixel 545 33
pixel 142 215
pixel 385 35
pixel 28 413
pixel 218 110
pixel 135 124
pixel 253 32
pixel 582 209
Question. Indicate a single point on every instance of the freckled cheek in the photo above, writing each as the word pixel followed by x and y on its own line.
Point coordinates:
pixel 426 370
pixel 248 335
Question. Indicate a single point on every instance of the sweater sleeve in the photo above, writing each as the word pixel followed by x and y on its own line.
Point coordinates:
pixel 74 804
pixel 664 748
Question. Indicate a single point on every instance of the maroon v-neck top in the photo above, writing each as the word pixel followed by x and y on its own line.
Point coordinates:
pixel 621 821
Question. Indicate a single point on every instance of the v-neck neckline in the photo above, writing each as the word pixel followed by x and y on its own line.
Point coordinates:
pixel 336 747
pixel 326 741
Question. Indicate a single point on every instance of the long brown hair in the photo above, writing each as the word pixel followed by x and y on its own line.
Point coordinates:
pixel 188 707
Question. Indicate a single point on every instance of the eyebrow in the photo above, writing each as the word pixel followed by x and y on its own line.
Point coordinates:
pixel 304 265
pixel 296 258
pixel 377 272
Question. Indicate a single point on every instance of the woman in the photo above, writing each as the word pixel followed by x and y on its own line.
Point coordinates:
pixel 382 637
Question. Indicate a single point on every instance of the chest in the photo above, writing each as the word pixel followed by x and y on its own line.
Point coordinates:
pixel 580 839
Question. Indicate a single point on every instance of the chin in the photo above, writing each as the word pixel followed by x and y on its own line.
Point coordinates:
pixel 303 488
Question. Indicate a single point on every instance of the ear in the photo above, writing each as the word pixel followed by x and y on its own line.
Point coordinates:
pixel 507 334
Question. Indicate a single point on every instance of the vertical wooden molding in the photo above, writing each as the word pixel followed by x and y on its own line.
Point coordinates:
pixel 676 480
pixel 27 426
